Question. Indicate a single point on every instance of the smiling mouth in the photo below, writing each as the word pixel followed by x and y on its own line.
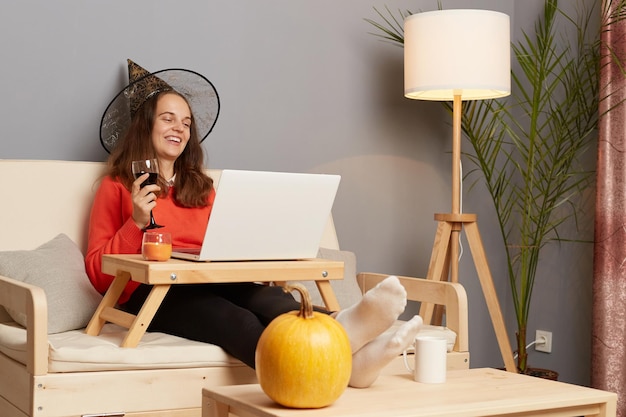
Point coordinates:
pixel 173 139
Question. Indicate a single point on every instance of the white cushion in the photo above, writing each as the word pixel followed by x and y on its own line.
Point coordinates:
pixel 13 341
pixel 75 351
pixel 58 268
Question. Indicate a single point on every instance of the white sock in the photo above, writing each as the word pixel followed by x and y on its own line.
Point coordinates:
pixel 373 357
pixel 375 313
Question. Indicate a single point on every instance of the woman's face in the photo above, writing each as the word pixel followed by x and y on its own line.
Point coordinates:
pixel 171 129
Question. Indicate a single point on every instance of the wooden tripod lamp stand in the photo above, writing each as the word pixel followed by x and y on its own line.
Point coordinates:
pixel 456 55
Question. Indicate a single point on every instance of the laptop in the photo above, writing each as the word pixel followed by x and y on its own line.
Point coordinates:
pixel 261 215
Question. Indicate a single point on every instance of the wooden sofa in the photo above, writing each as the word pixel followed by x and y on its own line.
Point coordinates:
pixel 45 198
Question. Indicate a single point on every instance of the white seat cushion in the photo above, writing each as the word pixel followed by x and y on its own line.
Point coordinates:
pixel 75 351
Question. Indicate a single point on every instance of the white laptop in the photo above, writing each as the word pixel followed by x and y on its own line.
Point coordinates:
pixel 261 215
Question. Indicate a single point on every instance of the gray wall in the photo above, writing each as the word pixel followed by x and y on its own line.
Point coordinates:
pixel 304 87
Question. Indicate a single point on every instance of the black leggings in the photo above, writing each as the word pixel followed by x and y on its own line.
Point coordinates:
pixel 231 316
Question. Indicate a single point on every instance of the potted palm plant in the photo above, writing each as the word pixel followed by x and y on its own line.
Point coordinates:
pixel 527 149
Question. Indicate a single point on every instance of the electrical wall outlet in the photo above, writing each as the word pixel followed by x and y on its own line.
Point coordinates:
pixel 543 341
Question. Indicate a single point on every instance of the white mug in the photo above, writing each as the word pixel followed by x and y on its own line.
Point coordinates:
pixel 430 359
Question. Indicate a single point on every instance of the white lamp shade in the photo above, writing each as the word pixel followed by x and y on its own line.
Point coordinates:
pixel 457 52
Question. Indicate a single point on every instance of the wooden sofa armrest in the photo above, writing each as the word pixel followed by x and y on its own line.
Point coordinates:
pixel 450 295
pixel 30 301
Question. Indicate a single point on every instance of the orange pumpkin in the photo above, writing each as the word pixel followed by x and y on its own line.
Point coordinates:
pixel 303 358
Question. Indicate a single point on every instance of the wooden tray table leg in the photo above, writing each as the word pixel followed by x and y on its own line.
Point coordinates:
pixel 328 295
pixel 109 300
pixel 145 315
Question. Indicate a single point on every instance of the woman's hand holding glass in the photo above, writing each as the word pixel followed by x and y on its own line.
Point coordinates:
pixel 144 193
pixel 144 200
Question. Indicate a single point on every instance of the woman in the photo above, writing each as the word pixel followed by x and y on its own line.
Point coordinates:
pixel 232 316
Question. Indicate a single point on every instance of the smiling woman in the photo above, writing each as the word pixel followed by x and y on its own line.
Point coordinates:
pixel 233 316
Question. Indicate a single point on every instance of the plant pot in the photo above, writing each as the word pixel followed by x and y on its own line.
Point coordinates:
pixel 542 373
pixel 539 373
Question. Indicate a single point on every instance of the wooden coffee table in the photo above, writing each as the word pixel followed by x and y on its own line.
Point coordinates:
pixel 467 393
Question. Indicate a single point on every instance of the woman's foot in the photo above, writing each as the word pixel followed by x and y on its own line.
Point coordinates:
pixel 375 313
pixel 374 356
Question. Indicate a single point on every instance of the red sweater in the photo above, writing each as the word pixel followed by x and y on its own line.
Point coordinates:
pixel 113 231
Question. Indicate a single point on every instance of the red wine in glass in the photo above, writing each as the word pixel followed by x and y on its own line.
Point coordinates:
pixel 151 167
pixel 152 178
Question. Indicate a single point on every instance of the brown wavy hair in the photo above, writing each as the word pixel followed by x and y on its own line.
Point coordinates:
pixel 191 185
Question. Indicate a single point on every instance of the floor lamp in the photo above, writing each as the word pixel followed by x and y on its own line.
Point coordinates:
pixel 456 55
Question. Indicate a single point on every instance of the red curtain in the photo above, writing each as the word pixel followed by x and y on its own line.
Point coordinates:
pixel 608 359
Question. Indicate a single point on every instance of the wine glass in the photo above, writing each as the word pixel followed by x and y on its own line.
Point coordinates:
pixel 147 166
